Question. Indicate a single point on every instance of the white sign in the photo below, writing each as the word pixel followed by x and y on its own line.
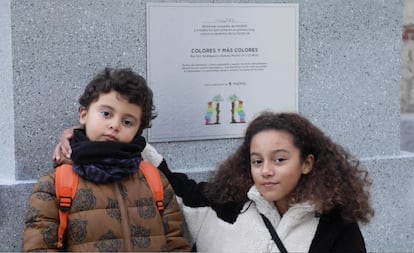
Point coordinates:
pixel 212 67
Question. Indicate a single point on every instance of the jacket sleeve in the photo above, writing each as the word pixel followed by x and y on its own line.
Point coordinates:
pixel 193 203
pixel 335 235
pixel 41 222
pixel 191 192
pixel 173 221
pixel 350 239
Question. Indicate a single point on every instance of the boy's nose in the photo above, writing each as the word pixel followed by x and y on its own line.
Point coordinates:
pixel 114 124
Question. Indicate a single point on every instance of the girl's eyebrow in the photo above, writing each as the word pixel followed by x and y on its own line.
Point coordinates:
pixel 276 151
pixel 280 151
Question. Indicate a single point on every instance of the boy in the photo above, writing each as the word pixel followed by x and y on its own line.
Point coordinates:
pixel 113 208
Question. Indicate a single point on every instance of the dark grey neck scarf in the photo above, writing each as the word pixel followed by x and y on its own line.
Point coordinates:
pixel 105 161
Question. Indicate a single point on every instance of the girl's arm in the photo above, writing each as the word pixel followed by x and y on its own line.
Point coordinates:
pixel 335 235
pixel 190 191
pixel 194 202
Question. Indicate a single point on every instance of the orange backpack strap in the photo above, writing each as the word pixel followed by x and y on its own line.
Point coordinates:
pixel 66 184
pixel 152 175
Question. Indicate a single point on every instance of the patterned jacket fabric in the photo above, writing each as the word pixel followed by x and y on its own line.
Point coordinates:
pixel 118 216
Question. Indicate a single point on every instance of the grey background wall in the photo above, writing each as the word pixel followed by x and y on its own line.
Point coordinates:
pixel 349 85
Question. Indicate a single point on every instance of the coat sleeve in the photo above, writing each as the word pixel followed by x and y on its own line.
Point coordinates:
pixel 42 219
pixel 350 239
pixel 191 198
pixel 335 235
pixel 173 221
pixel 190 191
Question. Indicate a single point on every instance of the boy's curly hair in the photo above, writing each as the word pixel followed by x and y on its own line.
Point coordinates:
pixel 129 85
pixel 337 180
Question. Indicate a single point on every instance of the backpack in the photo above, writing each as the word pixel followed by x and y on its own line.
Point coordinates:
pixel 66 184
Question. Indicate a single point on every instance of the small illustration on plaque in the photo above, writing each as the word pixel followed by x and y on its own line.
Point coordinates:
pixel 210 111
pixel 237 109
pixel 213 108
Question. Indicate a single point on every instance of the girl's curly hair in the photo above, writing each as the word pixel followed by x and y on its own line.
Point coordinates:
pixel 337 180
pixel 129 85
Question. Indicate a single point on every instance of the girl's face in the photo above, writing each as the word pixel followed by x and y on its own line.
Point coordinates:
pixel 276 166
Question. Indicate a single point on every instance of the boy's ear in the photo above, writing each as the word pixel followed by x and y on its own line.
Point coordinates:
pixel 308 164
pixel 83 112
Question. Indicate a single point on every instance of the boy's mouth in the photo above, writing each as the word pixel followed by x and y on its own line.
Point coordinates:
pixel 109 137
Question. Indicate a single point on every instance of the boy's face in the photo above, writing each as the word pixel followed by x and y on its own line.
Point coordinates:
pixel 111 118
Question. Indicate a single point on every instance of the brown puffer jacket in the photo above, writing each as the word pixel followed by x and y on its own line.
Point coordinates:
pixel 119 216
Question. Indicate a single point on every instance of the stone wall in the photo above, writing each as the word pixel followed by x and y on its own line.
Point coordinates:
pixel 349 85
pixel 407 58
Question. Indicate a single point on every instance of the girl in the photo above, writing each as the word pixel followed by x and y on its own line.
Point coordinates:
pixel 311 190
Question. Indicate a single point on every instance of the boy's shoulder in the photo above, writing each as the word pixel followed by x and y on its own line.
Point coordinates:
pixel 45 183
pixel 157 173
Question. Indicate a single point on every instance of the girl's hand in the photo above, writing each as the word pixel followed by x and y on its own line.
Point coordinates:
pixel 63 149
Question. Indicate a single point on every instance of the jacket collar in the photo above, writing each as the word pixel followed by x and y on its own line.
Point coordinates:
pixel 296 212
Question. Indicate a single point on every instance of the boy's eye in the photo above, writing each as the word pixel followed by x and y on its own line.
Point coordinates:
pixel 106 114
pixel 128 123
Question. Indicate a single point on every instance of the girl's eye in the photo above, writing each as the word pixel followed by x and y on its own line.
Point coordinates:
pixel 278 160
pixel 256 161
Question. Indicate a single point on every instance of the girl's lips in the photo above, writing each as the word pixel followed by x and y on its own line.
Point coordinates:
pixel 269 184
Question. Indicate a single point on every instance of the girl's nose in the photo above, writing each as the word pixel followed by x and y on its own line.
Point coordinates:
pixel 267 169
